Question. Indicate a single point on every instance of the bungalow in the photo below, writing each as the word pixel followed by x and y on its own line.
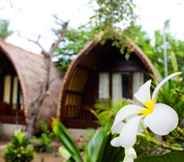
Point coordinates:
pixel 22 75
pixel 101 72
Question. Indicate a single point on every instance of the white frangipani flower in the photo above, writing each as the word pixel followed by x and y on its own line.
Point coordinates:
pixel 160 118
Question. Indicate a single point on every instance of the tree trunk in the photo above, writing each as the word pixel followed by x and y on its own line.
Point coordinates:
pixel 35 106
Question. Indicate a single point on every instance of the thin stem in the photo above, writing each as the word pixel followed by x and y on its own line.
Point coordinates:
pixel 161 143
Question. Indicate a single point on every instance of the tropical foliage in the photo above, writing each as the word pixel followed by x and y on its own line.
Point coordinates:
pixel 62 134
pixel 97 150
pixel 19 149
pixel 106 111
pixel 75 40
pixel 43 143
pixel 4 29
pixel 111 12
pixel 154 48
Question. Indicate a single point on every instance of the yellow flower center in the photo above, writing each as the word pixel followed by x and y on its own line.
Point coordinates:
pixel 149 107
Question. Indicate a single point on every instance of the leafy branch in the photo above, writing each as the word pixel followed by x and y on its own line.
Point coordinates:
pixel 147 136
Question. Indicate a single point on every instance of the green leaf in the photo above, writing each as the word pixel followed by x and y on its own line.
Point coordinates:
pixel 62 134
pixel 4 29
pixel 95 149
pixel 64 153
pixel 20 136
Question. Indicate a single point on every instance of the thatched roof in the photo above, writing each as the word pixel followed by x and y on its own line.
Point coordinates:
pixel 31 72
pixel 132 47
pixel 145 60
pixel 78 73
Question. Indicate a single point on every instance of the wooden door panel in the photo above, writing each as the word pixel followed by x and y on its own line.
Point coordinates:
pixel 9 115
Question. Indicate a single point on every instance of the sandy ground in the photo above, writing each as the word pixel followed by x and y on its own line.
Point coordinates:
pixel 47 158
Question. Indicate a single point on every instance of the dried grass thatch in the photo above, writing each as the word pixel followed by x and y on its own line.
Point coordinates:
pixel 31 72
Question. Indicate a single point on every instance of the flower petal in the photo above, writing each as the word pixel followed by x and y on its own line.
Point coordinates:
pixel 128 159
pixel 123 114
pixel 130 155
pixel 117 127
pixel 163 120
pixel 129 132
pixel 143 94
pixel 116 142
pixel 130 152
pixel 155 92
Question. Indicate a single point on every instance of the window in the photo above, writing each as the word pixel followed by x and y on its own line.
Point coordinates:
pixel 15 92
pixel 7 89
pixel 104 86
pixel 119 84
pixel 116 86
pixel 11 92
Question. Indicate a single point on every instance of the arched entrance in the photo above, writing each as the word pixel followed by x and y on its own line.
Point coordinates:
pixel 11 108
pixel 101 72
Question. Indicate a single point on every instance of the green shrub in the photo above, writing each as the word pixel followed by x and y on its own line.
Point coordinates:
pixel 43 143
pixel 42 127
pixel 19 149
pixel 106 111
